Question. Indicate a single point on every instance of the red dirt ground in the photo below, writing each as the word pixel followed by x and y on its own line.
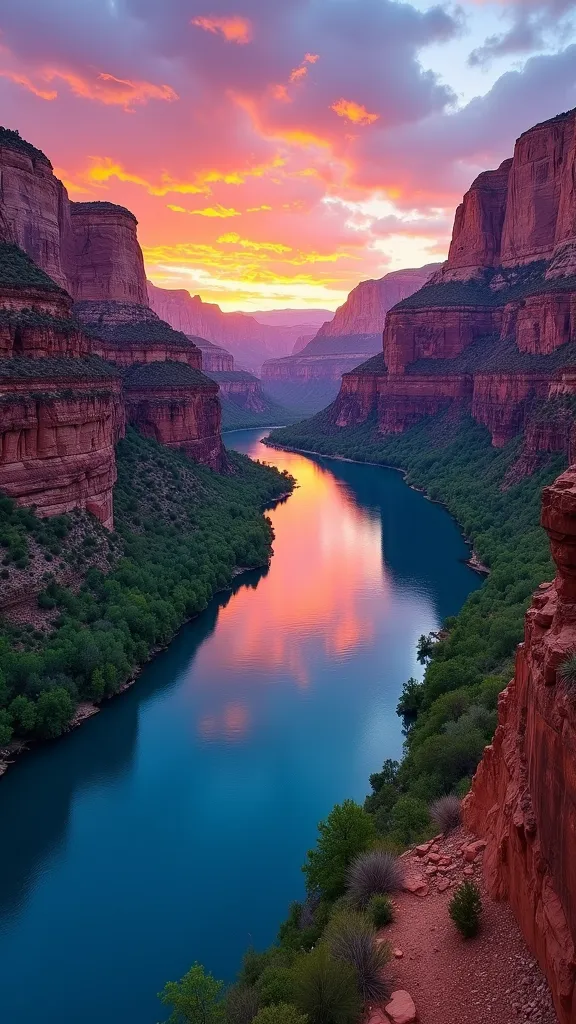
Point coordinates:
pixel 492 979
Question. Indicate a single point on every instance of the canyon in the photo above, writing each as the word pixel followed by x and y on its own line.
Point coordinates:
pixel 491 334
pixel 81 353
pixel 352 336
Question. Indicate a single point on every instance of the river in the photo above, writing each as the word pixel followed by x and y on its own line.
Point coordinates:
pixel 171 827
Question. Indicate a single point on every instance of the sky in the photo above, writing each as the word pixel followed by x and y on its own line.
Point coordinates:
pixel 276 152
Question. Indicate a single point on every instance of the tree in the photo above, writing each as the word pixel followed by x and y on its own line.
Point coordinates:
pixel 425 648
pixel 5 728
pixel 195 999
pixel 410 701
pixel 282 1013
pixel 23 714
pixel 326 989
pixel 54 710
pixel 347 831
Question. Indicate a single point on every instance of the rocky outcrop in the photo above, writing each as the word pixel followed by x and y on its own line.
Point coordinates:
pixel 214 358
pixel 106 262
pixel 501 311
pixel 302 369
pixel 179 407
pixel 126 334
pixel 244 389
pixel 34 204
pixel 523 797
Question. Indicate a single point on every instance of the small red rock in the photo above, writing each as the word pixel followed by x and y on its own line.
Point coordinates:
pixel 423 849
pixel 473 849
pixel 401 1008
pixel 416 885
pixel 468 871
pixel 433 858
pixel 398 954
pixel 443 884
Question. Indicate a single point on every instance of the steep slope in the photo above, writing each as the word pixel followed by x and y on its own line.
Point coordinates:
pixel 353 334
pixel 248 341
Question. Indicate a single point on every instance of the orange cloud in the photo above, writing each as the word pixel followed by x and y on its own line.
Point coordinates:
pixel 19 79
pixel 312 58
pixel 216 211
pixel 298 73
pixel 103 87
pixel 104 168
pixel 354 112
pixel 234 28
pixel 233 239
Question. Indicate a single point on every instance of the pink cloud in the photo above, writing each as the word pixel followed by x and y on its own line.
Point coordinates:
pixel 234 28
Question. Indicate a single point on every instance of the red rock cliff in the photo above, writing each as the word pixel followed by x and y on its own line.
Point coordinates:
pixel 364 311
pixel 34 207
pixel 523 797
pixel 106 262
pixel 502 310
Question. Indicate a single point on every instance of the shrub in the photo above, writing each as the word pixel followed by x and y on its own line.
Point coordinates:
pixel 195 999
pixel 351 937
pixel 326 989
pixel 465 909
pixel 373 874
pixel 409 821
pixel 381 911
pixel 283 1013
pixel 275 985
pixel 567 673
pixel 348 831
pixel 241 1004
pixel 446 813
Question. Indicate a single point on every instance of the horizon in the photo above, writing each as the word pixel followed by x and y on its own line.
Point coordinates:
pixel 275 156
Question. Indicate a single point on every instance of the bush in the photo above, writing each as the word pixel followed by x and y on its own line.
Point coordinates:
pixel 283 1013
pixel 348 831
pixel 326 989
pixel 446 813
pixel 351 937
pixel 567 673
pixel 381 911
pixel 373 874
pixel 275 985
pixel 465 909
pixel 241 1004
pixel 195 999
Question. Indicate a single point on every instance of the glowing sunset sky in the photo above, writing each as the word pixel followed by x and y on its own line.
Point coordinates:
pixel 276 152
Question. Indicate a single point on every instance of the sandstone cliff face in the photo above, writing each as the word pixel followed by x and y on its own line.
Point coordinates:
pixel 523 797
pixel 106 262
pixel 57 435
pixel 214 358
pixel 179 407
pixel 242 388
pixel 364 311
pixel 125 333
pixel 34 204
pixel 508 277
pixel 301 369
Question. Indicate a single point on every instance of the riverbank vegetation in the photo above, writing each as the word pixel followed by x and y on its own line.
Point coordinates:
pixel 180 531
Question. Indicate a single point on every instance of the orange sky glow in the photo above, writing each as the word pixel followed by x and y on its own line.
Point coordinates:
pixel 276 154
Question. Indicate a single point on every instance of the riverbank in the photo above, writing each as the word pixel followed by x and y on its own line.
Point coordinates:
pixel 181 534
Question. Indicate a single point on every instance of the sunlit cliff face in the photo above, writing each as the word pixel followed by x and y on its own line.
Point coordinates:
pixel 276 153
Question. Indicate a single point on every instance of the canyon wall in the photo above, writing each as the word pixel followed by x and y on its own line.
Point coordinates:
pixel 523 798
pixel 501 312
pixel 353 335
pixel 65 391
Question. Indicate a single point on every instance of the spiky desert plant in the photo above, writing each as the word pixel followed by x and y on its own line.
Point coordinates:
pixel 446 813
pixel 282 1013
pixel 241 1004
pixel 465 909
pixel 380 911
pixel 374 873
pixel 326 989
pixel 351 937
pixel 567 673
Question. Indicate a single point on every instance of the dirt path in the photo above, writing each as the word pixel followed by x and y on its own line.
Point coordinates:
pixel 492 979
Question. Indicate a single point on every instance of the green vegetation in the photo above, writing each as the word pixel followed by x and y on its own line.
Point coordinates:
pixel 465 908
pixel 56 369
pixel 281 1013
pixel 348 831
pixel 567 673
pixel 195 999
pixel 302 399
pixel 17 270
pixel 180 530
pixel 164 375
pixel 494 287
pixel 147 331
pixel 380 911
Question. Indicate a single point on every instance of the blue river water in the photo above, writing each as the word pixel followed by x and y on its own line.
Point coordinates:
pixel 172 826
